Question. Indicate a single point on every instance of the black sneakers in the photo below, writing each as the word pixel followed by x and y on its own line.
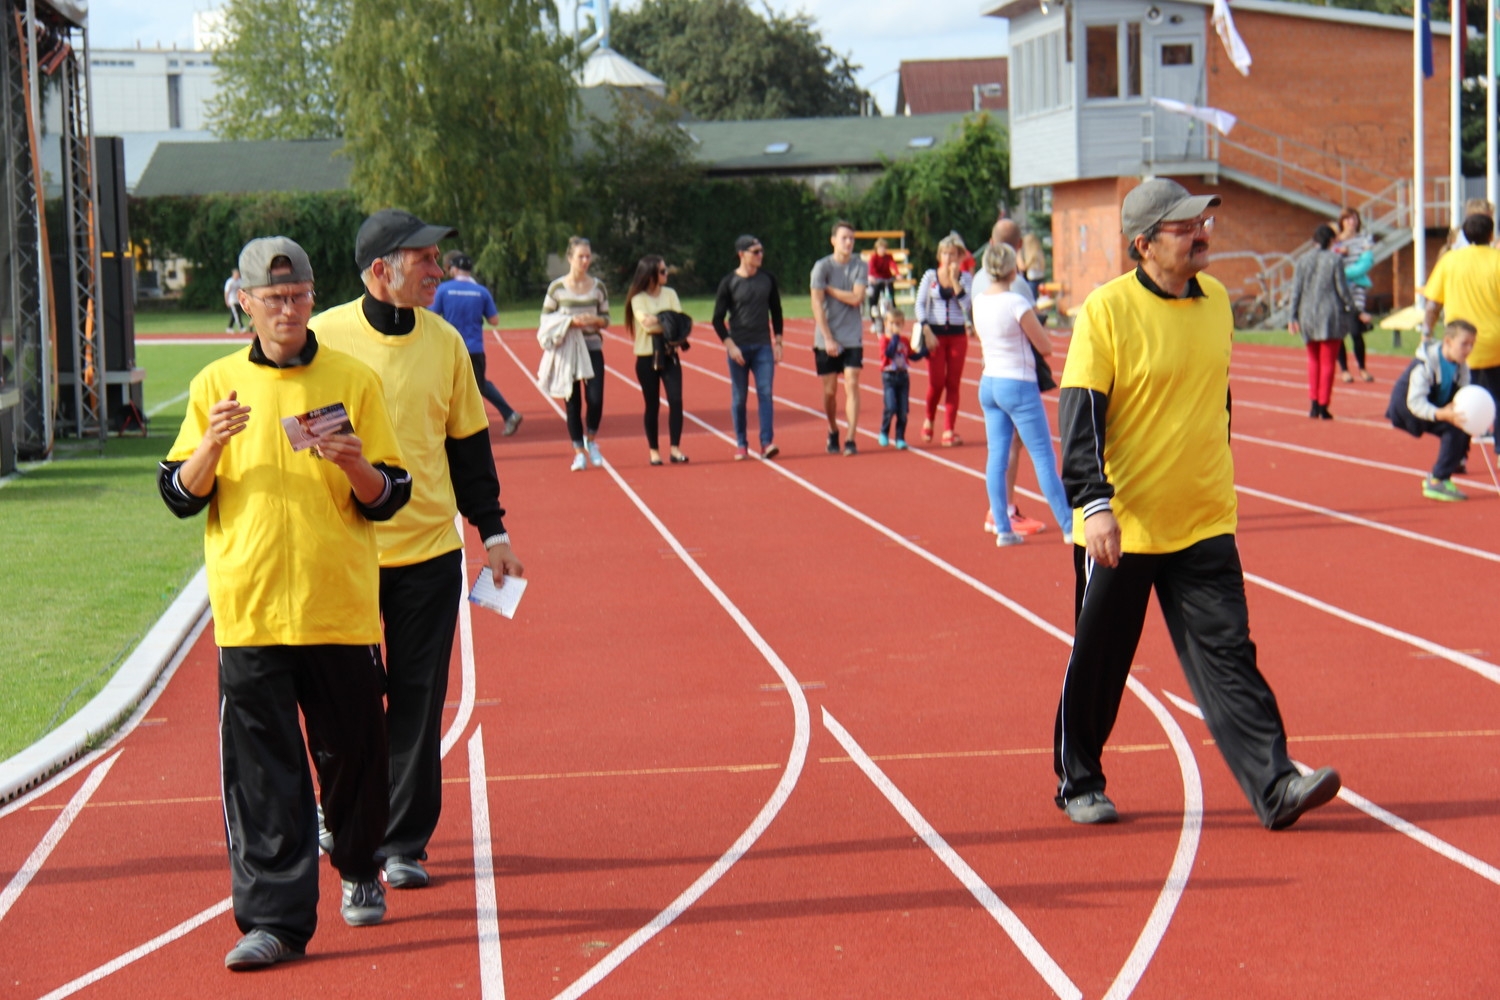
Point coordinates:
pixel 833 442
pixel 1304 792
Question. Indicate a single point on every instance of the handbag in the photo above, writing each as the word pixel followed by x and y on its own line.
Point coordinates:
pixel 1045 380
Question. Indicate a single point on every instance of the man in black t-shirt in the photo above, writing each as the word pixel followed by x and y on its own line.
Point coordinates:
pixel 751 300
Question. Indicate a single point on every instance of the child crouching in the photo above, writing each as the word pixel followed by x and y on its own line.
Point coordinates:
pixel 1422 403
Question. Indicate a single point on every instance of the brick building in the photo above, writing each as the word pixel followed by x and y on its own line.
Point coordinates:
pixel 1324 119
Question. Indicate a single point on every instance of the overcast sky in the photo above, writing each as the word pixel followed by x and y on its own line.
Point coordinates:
pixel 876 34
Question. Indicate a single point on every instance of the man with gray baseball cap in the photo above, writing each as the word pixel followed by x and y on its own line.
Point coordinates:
pixel 1143 411
pixel 295 602
pixel 444 435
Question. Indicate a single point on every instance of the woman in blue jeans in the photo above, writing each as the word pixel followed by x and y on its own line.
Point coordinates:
pixel 1008 329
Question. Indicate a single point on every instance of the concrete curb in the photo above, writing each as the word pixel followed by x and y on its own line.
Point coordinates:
pixel 110 706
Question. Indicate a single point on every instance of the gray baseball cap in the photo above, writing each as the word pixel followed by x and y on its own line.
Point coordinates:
pixel 258 256
pixel 1160 200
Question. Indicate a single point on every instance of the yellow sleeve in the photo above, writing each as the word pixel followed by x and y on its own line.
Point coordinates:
pixel 1091 353
pixel 1437 282
pixel 194 422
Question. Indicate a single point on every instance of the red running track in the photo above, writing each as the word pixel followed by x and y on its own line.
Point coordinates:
pixel 783 729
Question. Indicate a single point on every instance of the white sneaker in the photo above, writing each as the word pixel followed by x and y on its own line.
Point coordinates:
pixel 579 462
pixel 1005 538
pixel 594 456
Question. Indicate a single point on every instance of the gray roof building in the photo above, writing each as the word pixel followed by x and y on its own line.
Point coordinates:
pixel 189 168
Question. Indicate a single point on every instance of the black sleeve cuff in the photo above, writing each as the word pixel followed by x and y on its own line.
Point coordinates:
pixel 476 485
pixel 179 501
pixel 397 492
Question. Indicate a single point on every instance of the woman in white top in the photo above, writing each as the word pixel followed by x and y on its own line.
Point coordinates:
pixel 656 368
pixel 1008 329
pixel 583 298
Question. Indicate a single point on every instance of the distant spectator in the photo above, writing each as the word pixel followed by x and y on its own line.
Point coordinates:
pixel 232 303
pixel 882 273
pixel 943 300
pixel 1320 298
pixel 1358 251
pixel 468 305
pixel 1033 263
pixel 1422 403
pixel 657 367
pixel 583 298
pixel 1465 284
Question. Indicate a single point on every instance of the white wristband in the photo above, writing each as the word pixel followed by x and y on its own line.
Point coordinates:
pixel 501 539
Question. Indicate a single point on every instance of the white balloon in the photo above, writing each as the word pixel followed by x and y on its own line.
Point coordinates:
pixel 1475 408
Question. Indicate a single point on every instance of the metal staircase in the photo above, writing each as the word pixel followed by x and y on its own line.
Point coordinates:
pixel 1323 183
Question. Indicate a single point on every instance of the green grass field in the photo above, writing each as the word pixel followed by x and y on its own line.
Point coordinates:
pixel 103 556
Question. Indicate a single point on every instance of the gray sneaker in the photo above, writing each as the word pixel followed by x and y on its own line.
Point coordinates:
pixel 513 422
pixel 364 903
pixel 325 839
pixel 405 873
pixel 257 950
pixel 1091 807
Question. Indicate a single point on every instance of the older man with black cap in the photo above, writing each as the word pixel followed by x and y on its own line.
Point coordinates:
pixel 444 436
pixel 293 578
pixel 750 300
pixel 1144 415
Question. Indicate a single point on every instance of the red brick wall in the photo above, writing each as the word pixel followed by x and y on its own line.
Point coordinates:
pixel 1343 89
pixel 1087 249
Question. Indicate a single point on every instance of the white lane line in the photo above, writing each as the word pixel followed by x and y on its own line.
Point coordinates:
pixel 1182 859
pixel 1003 915
pixel 1366 463
pixel 1372 525
pixel 1182 862
pixel 796 757
pixel 54 835
pixel 486 903
pixel 466 657
pixel 1433 843
pixel 109 968
pixel 1483 668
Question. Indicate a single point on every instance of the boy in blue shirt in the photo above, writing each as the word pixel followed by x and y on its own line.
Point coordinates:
pixel 468 305
pixel 1422 403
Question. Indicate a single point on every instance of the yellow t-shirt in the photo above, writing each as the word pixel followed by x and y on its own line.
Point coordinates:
pixel 291 559
pixel 645 304
pixel 432 396
pixel 1164 364
pixel 1467 282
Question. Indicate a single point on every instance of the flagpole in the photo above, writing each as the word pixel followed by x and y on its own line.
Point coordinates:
pixel 1457 29
pixel 1418 235
pixel 1491 108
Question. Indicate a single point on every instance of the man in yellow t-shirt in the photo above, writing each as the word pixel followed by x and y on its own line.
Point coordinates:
pixel 1465 284
pixel 444 435
pixel 293 579
pixel 1143 411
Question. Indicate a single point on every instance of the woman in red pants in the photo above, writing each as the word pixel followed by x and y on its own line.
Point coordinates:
pixel 943 310
pixel 1320 301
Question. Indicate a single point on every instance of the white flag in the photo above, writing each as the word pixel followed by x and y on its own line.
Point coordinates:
pixel 1233 43
pixel 1221 120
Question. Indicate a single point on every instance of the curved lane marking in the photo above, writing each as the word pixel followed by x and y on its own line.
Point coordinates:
pixel 796 757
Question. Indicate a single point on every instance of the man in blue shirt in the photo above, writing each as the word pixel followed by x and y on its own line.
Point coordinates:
pixel 468 305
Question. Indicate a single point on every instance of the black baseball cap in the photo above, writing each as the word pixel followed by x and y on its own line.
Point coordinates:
pixel 391 229
pixel 744 243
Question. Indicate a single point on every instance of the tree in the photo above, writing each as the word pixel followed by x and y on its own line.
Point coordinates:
pixel 955 187
pixel 723 61
pixel 459 112
pixel 276 78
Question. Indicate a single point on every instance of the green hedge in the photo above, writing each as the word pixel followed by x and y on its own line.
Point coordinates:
pixel 209 230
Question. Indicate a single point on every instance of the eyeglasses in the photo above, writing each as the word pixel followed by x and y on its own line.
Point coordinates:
pixel 661 271
pixel 278 303
pixel 1190 226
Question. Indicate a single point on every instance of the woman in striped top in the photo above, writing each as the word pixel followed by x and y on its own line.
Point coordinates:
pixel 943 311
pixel 583 297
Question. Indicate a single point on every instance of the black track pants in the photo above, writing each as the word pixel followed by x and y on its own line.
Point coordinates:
pixel 1201 591
pixel 268 793
pixel 420 606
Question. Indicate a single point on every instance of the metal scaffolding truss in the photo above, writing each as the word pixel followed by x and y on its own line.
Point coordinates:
pixel 80 196
pixel 27 316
